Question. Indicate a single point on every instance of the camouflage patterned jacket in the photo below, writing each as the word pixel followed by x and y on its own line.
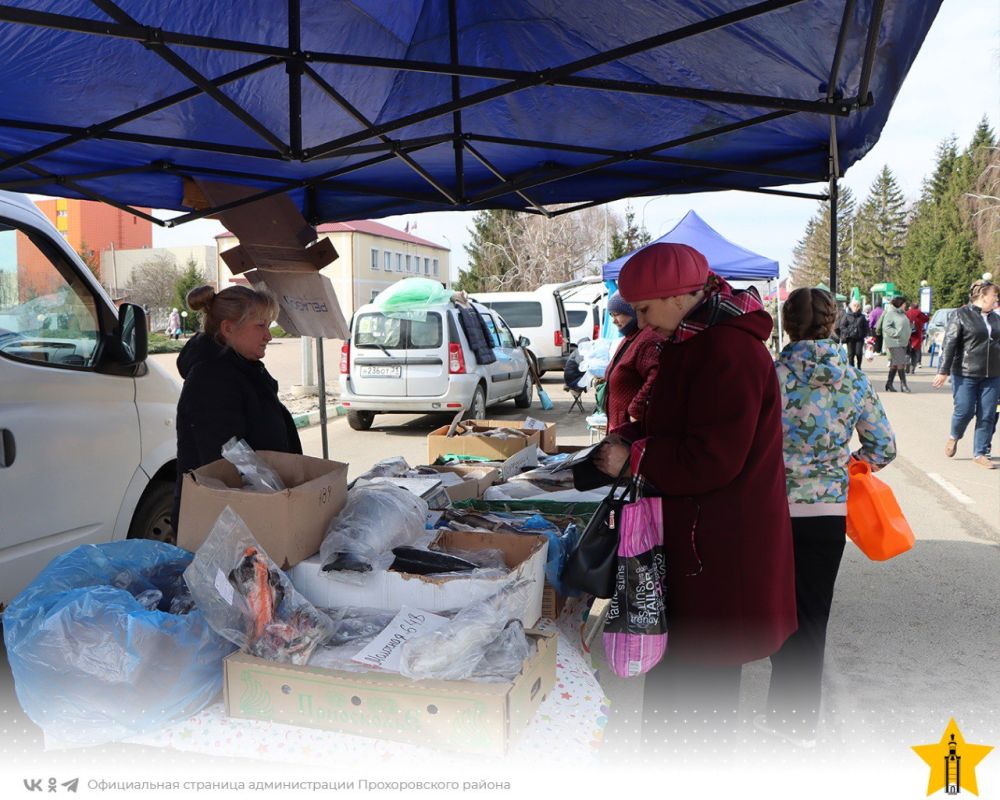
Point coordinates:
pixel 825 401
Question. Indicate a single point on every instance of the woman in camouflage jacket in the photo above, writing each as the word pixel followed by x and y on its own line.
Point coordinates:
pixel 825 401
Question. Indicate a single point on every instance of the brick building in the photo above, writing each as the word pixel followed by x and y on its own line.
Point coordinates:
pixel 88 227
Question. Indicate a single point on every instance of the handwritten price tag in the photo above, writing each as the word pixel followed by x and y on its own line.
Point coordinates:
pixel 409 623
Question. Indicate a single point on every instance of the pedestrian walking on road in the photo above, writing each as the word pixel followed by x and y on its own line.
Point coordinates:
pixel 710 446
pixel 852 329
pixel 894 328
pixel 825 400
pixel 873 317
pixel 918 319
pixel 174 324
pixel 971 355
pixel 227 389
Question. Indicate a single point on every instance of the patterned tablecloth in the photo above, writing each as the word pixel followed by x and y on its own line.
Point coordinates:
pixel 569 723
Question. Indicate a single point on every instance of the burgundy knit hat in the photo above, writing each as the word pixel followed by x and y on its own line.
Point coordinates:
pixel 662 270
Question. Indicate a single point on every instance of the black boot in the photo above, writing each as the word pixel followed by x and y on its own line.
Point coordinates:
pixel 892 376
pixel 904 387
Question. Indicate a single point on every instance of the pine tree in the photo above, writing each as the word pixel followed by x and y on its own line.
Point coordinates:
pixel 188 280
pixel 879 233
pixel 811 256
pixel 628 238
pixel 487 253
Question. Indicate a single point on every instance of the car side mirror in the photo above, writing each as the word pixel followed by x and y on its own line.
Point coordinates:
pixel 523 341
pixel 132 337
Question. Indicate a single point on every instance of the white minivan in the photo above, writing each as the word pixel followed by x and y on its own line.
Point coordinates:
pixel 430 362
pixel 87 437
pixel 540 317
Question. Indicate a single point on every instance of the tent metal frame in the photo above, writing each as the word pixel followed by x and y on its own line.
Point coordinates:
pixel 372 144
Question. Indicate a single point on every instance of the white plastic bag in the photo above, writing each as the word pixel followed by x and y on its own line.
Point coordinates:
pixel 257 475
pixel 376 518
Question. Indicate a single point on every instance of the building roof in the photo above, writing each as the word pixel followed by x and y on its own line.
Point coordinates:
pixel 366 226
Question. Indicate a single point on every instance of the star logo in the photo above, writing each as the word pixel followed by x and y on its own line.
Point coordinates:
pixel 952 761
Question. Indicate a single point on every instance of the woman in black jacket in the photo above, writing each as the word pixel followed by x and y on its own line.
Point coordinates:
pixel 227 390
pixel 852 329
pixel 972 355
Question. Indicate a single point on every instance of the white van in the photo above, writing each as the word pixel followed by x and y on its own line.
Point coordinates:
pixel 87 438
pixel 417 366
pixel 540 317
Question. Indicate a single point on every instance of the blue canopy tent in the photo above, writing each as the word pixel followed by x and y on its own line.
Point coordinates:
pixel 726 258
pixel 368 108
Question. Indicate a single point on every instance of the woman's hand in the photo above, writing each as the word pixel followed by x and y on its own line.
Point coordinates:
pixel 612 456
pixel 938 381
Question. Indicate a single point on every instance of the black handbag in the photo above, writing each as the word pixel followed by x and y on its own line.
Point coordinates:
pixel 592 564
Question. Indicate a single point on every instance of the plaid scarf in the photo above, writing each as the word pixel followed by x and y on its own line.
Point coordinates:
pixel 721 302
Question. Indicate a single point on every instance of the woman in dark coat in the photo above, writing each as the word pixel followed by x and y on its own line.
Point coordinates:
pixel 852 330
pixel 711 445
pixel 632 371
pixel 227 389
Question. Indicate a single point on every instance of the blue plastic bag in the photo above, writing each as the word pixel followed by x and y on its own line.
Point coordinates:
pixel 94 664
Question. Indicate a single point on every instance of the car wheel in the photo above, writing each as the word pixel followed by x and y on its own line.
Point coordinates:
pixel 153 517
pixel 523 400
pixel 477 408
pixel 360 420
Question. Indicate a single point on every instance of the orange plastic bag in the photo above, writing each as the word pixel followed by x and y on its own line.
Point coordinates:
pixel 875 522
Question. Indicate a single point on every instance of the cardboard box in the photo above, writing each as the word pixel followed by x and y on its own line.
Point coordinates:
pixel 459 716
pixel 439 443
pixel 552 602
pixel 289 525
pixel 475 481
pixel 524 554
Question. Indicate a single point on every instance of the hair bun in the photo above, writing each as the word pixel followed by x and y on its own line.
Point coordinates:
pixel 200 297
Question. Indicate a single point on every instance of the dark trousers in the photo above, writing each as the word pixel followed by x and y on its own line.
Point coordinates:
pixel 688 698
pixel 914 354
pixel 797 668
pixel 855 350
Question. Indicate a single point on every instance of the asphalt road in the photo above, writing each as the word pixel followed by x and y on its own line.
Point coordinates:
pixel 912 641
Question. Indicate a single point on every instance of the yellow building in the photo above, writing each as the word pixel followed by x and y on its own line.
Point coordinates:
pixel 372 257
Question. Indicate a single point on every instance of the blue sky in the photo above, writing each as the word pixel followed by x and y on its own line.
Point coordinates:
pixel 952 84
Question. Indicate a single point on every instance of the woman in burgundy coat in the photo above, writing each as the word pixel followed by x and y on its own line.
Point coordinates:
pixel 633 367
pixel 711 446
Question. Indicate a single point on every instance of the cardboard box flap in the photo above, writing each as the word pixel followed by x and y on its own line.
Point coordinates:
pixel 516 547
pixel 528 691
pixel 294 470
pixel 245 257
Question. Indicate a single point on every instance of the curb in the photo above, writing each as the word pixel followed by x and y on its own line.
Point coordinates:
pixel 312 418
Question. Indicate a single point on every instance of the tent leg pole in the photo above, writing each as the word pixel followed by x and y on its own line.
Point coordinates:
pixel 321 370
pixel 834 172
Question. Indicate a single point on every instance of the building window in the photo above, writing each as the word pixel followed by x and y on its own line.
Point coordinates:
pixel 62 212
pixel 387 261
pixel 399 262
pixel 437 267
pixel 374 295
pixel 427 266
pixel 374 260
pixel 409 263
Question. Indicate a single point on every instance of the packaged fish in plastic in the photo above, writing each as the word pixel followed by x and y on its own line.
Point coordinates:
pixel 257 475
pixel 248 600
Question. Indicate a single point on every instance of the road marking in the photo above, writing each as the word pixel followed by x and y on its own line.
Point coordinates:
pixel 951 489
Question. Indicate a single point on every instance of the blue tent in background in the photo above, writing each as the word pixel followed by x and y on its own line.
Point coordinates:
pixel 727 259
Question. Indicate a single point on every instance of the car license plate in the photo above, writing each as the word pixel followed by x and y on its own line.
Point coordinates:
pixel 381 372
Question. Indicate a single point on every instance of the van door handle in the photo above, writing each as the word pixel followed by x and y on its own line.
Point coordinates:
pixel 8 450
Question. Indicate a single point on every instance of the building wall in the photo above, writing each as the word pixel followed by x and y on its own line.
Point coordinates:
pixel 117 266
pixel 84 224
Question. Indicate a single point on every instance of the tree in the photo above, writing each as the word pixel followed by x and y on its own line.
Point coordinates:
pixel 879 233
pixel 985 204
pixel 187 280
pixel 514 251
pixel 627 236
pixel 91 259
pixel 811 256
pixel 154 283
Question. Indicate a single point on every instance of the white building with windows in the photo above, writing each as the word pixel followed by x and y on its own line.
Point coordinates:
pixel 372 257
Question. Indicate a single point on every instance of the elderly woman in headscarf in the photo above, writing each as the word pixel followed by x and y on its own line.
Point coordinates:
pixel 710 444
pixel 632 371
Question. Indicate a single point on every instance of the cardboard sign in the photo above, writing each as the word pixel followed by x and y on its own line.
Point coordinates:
pixel 309 305
pixel 385 650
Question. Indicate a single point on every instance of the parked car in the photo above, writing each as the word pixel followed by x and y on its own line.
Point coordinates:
pixel 936 328
pixel 584 321
pixel 539 316
pixel 87 439
pixel 392 365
